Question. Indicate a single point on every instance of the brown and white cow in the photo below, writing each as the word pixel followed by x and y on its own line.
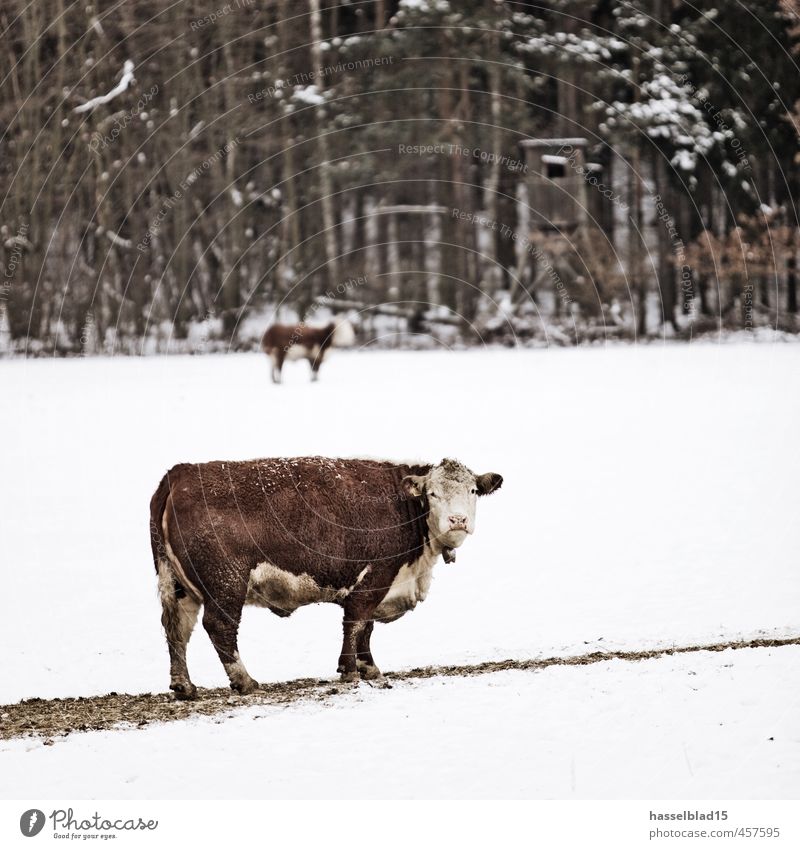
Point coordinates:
pixel 283 342
pixel 283 533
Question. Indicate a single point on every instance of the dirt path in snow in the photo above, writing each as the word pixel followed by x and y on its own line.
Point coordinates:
pixel 51 718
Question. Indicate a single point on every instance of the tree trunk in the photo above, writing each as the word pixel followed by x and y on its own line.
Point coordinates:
pixel 666 266
pixel 326 183
pixel 491 199
pixel 791 283
pixel 233 235
pixel 380 14
pixel 635 220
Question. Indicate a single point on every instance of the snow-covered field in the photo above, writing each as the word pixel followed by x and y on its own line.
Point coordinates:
pixel 650 498
pixel 699 726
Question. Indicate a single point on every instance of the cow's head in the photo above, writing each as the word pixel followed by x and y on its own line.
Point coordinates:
pixel 344 335
pixel 450 492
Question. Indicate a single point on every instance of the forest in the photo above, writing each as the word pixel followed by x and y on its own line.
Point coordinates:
pixel 174 178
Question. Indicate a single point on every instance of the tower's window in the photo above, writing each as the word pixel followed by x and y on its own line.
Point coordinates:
pixel 555 167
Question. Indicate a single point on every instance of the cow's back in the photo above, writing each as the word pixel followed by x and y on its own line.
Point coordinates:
pixel 327 518
pixel 286 336
pixel 278 336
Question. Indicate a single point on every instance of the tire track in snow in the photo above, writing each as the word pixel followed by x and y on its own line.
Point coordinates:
pixel 49 718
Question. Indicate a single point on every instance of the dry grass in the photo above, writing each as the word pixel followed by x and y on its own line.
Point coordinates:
pixel 52 718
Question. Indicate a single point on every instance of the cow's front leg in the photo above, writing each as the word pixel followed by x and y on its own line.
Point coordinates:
pixel 353 628
pixel 367 668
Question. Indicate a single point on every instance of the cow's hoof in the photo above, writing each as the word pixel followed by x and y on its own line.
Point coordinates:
pixel 245 688
pixel 350 678
pixel 184 690
pixel 369 672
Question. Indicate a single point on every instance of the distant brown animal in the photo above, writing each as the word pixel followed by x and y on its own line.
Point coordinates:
pixel 283 342
pixel 283 533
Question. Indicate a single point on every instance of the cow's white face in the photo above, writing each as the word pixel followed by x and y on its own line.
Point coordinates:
pixel 343 335
pixel 450 491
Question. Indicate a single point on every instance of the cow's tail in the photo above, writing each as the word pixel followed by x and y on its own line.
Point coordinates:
pixel 157 505
pixel 172 580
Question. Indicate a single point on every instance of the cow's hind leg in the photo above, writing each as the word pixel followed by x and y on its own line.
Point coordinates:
pixel 222 626
pixel 277 358
pixel 178 616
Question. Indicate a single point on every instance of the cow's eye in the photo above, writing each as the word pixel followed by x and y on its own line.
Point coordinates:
pixel 432 495
pixel 474 491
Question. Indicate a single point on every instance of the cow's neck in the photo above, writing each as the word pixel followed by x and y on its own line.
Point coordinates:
pixel 436 548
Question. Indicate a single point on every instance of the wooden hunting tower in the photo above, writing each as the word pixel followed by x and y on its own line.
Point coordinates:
pixel 570 224
pixel 556 177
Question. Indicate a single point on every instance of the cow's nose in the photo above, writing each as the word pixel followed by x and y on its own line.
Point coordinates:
pixel 458 521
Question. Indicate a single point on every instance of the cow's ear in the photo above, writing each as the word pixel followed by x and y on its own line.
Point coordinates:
pixel 413 485
pixel 488 483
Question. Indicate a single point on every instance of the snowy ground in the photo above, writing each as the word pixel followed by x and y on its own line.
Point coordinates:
pixel 649 499
pixel 698 726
